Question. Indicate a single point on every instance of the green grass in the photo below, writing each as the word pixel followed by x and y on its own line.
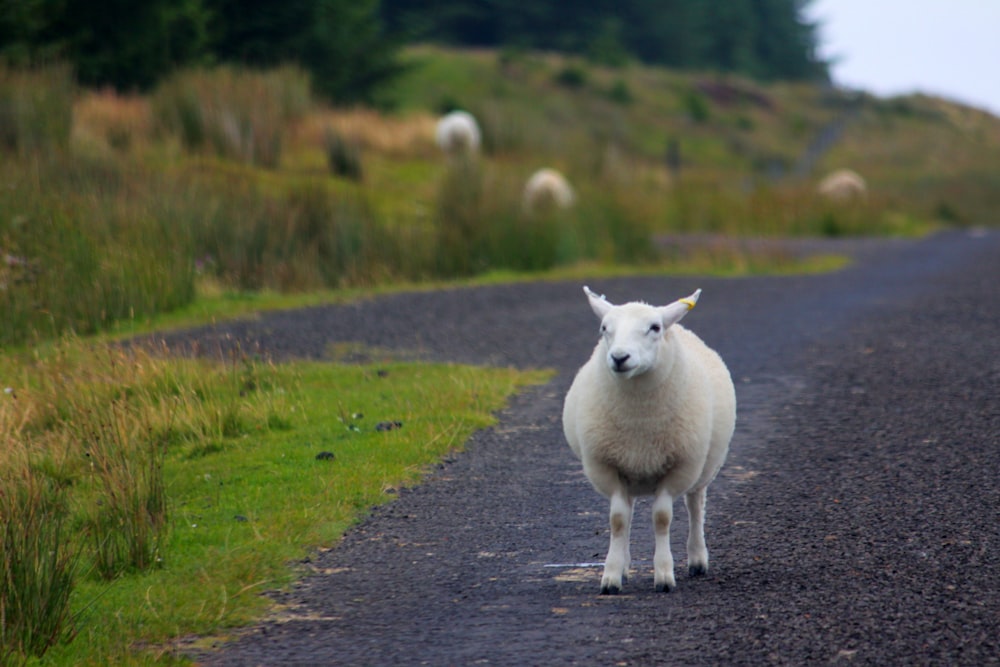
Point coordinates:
pixel 248 484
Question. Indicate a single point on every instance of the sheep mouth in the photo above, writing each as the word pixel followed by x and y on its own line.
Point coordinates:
pixel 625 371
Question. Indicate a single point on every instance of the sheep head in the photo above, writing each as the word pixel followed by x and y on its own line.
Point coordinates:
pixel 631 333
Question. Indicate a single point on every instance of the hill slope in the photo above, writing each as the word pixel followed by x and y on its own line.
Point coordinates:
pixel 928 158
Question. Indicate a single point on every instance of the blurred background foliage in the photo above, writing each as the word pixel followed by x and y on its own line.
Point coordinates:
pixel 350 47
pixel 156 152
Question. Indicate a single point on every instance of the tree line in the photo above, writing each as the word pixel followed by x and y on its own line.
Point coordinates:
pixel 764 39
pixel 351 47
pixel 133 45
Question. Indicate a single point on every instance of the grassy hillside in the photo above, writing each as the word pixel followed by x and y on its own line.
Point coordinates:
pixel 921 156
pixel 227 180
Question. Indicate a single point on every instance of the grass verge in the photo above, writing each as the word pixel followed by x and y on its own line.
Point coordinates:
pixel 259 464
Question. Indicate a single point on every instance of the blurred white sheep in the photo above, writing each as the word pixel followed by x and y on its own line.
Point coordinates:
pixel 458 134
pixel 843 185
pixel 547 189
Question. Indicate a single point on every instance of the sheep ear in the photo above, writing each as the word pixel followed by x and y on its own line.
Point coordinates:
pixel 673 312
pixel 598 303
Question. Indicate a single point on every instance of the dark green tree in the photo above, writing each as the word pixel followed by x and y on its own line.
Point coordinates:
pixel 729 29
pixel 128 45
pixel 21 25
pixel 347 51
pixel 785 43
pixel 759 38
pixel 340 42
pixel 261 33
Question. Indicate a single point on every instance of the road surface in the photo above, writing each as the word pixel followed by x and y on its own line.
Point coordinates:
pixel 856 521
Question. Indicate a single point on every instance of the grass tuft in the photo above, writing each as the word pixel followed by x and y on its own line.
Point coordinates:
pixel 38 559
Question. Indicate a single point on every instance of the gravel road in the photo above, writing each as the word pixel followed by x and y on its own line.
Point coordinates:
pixel 856 521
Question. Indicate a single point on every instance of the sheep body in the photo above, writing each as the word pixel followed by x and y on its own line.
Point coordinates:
pixel 457 133
pixel 545 189
pixel 843 185
pixel 651 413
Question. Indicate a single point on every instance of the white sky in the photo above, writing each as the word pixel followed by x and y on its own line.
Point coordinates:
pixel 948 48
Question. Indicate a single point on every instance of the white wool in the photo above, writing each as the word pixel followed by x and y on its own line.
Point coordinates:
pixel 458 133
pixel 651 413
pixel 547 188
pixel 843 185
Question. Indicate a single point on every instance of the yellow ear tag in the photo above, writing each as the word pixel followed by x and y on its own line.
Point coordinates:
pixel 688 302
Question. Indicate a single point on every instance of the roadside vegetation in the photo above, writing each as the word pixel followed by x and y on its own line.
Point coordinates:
pixel 147 498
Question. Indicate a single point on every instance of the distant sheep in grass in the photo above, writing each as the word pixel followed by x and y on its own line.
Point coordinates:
pixel 651 413
pixel 843 185
pixel 458 134
pixel 546 190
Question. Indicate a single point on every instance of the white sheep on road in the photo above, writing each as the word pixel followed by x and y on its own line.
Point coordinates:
pixel 651 413
pixel 458 133
pixel 547 189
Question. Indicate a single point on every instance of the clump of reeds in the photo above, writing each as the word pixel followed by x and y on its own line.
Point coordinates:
pixel 241 114
pixel 38 559
pixel 36 108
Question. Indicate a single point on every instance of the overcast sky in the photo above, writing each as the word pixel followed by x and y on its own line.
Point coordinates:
pixel 948 48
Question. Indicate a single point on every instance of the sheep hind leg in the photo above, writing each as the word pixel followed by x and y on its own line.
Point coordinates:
pixel 663 559
pixel 696 549
pixel 617 562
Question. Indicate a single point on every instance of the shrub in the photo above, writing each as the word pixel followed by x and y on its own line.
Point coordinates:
pixel 343 156
pixel 620 93
pixel 696 106
pixel 571 76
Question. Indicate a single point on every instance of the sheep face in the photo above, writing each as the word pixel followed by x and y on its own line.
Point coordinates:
pixel 631 334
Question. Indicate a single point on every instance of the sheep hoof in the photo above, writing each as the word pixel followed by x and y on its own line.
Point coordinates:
pixel 697 569
pixel 610 590
pixel 665 587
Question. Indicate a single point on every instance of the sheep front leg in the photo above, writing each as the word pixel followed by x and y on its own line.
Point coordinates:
pixel 697 551
pixel 617 561
pixel 663 559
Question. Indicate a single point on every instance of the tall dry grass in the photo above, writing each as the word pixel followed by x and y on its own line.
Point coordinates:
pixel 118 121
pixel 405 135
pixel 239 113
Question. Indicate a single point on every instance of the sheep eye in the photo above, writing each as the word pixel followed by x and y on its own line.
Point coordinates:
pixel 655 328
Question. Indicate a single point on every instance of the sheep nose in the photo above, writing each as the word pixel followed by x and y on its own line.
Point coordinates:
pixel 619 360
